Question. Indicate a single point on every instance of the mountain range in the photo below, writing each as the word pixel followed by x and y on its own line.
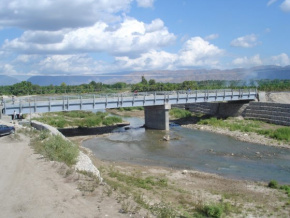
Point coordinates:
pixel 256 73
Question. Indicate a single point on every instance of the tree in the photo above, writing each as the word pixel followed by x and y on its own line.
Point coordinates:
pixel 152 82
pixel 144 81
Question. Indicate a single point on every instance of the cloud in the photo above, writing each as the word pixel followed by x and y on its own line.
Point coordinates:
pixel 150 61
pixel 196 52
pixel 145 3
pixel 212 36
pixel 56 15
pixel 280 60
pixel 271 2
pixel 248 62
pixel 285 6
pixel 131 37
pixel 247 41
pixel 199 52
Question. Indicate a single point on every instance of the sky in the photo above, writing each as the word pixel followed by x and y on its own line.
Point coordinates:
pixel 90 37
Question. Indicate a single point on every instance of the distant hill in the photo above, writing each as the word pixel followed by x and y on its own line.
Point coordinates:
pixel 262 72
pixel 7 80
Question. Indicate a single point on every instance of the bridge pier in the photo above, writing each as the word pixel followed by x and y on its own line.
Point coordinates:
pixel 157 117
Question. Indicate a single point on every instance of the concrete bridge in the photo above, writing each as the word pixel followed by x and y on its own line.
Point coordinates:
pixel 156 104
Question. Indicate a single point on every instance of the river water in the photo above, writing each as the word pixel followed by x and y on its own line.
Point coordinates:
pixel 193 149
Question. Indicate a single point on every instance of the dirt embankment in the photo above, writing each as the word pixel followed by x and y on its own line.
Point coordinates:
pixel 31 186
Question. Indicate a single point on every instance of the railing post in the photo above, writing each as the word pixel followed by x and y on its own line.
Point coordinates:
pixel 49 104
pixel 34 105
pixel 67 106
pixel 154 97
pixel 20 106
pixel 94 101
pixel 106 100
pixel 81 103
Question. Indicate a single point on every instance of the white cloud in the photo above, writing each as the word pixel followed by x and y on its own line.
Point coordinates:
pixel 248 62
pixel 247 41
pixel 271 2
pixel 212 36
pixel 280 60
pixel 145 3
pixel 285 6
pixel 131 37
pixel 55 15
pixel 198 52
pixel 150 61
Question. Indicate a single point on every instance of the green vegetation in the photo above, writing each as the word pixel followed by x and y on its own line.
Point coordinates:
pixel 213 210
pixel 179 113
pixel 282 133
pixel 79 119
pixel 146 183
pixel 27 88
pixel 131 108
pixel 274 184
pixel 55 147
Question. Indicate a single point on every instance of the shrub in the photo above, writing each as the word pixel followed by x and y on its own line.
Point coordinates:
pixel 281 134
pixel 179 113
pixel 213 210
pixel 273 184
pixel 111 120
pixel 58 149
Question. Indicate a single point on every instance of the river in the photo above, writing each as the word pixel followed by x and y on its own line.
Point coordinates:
pixel 193 150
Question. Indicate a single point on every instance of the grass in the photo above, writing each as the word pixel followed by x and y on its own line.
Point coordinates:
pixel 131 108
pixel 179 113
pixel 55 148
pixel 281 134
pixel 79 119
pixel 274 184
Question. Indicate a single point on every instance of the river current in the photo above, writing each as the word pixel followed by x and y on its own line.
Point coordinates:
pixel 193 150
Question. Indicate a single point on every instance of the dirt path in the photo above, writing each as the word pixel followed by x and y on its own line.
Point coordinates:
pixel 31 186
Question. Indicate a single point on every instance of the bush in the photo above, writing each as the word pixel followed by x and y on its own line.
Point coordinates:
pixel 111 120
pixel 57 148
pixel 273 184
pixel 179 113
pixel 282 134
pixel 213 210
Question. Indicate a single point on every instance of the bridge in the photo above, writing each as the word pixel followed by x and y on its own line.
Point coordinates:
pixel 156 104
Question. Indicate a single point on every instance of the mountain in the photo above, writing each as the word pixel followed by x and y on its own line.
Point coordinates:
pixel 7 80
pixel 177 76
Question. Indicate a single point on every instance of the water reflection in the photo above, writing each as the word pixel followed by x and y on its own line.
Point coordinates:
pixel 193 149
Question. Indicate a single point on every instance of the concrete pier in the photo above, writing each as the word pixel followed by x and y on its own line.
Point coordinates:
pixel 157 117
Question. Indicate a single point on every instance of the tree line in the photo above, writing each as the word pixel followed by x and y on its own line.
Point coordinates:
pixel 27 88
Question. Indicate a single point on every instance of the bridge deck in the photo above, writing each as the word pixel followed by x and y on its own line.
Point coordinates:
pixel 41 104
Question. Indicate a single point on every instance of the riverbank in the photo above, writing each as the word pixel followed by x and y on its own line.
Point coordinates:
pixel 187 192
pixel 251 137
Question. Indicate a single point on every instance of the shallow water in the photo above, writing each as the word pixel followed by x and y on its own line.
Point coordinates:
pixel 193 149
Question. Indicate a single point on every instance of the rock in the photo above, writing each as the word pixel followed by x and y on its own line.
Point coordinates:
pixel 166 138
pixel 184 172
pixel 257 152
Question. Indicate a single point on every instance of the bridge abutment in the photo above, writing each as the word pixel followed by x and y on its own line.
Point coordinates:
pixel 157 117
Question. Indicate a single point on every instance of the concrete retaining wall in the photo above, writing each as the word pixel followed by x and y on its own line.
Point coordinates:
pixel 269 112
pixel 275 113
pixel 231 109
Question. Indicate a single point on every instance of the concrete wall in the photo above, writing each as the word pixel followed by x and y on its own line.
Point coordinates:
pixel 157 117
pixel 230 109
pixel 269 112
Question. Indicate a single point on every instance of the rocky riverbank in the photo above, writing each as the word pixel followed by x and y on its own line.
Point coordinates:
pixel 246 137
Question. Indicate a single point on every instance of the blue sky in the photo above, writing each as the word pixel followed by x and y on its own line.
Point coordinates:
pixel 89 37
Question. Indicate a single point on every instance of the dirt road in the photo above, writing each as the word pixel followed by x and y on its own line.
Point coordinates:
pixel 31 186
